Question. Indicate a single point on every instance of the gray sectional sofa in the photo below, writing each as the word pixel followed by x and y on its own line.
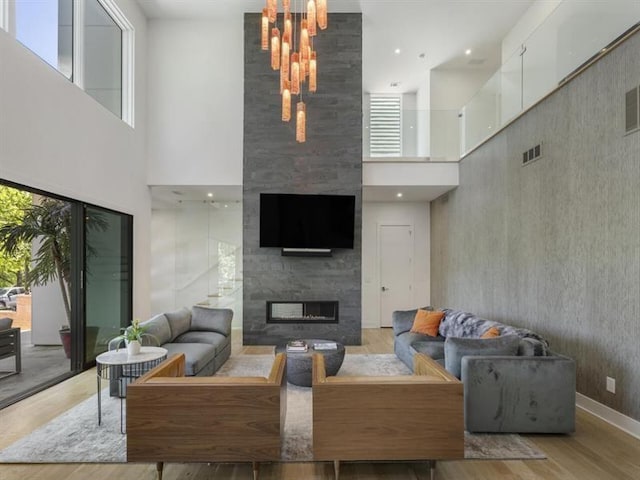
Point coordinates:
pixel 203 334
pixel 512 383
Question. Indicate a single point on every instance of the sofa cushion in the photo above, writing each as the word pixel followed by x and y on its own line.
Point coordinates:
pixel 427 322
pixel 179 321
pixel 492 332
pixel 434 348
pixel 402 320
pixel 211 319
pixel 217 340
pixel 197 355
pixel 158 326
pixel 530 347
pixel 455 348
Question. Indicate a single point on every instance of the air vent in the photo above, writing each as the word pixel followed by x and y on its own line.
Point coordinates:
pixel 385 126
pixel 531 155
pixel 632 110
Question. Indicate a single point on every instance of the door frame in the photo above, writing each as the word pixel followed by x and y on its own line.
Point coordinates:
pixel 379 226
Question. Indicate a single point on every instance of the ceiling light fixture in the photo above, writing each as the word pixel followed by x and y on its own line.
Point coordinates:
pixel 292 53
pixel 399 194
pixel 209 194
pixel 467 51
pixel 397 51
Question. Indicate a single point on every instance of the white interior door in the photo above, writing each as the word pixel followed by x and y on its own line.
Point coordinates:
pixel 396 269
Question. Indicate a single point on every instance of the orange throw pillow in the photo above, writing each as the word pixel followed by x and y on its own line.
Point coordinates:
pixel 427 323
pixel 493 332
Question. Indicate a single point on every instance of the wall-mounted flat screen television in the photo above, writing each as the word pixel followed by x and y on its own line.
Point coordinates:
pixel 306 221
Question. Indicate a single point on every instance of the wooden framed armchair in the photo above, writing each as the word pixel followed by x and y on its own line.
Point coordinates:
pixel 403 417
pixel 173 418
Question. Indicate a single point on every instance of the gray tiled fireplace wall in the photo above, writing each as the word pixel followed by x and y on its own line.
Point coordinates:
pixel 330 162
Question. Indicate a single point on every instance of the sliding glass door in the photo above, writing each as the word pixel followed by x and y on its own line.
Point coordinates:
pixel 107 277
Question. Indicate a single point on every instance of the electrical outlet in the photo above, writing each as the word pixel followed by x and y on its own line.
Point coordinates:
pixel 611 385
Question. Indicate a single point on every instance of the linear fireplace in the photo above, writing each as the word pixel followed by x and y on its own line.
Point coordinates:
pixel 302 312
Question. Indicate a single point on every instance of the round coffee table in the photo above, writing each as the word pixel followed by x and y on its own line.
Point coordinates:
pixel 299 364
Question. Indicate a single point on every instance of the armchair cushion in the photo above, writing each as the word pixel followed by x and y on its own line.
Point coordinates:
pixel 179 321
pixel 211 319
pixel 456 348
pixel 5 323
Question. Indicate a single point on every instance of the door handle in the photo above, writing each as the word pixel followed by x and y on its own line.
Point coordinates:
pixel 384 289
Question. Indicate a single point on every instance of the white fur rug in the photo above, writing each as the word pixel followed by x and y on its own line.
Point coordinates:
pixel 75 436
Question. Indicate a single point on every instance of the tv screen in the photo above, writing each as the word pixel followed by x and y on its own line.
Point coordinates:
pixel 306 221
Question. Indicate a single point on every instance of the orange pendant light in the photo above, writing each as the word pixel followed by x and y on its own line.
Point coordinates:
pixel 313 72
pixel 304 40
pixel 321 13
pixel 311 18
pixel 265 29
pixel 272 8
pixel 288 26
pixel 284 61
pixel 295 74
pixel 301 122
pixel 286 101
pixel 275 48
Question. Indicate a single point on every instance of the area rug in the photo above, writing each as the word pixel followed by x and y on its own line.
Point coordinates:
pixel 75 437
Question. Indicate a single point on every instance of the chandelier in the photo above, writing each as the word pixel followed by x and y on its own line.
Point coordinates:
pixel 292 52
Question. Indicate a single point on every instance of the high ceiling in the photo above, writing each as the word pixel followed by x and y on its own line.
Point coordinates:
pixel 440 29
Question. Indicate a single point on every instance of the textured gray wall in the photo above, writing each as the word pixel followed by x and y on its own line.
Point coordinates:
pixel 330 162
pixel 555 245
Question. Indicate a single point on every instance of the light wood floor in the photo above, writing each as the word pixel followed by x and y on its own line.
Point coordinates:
pixel 597 451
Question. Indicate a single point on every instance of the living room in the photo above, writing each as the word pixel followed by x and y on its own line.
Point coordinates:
pixel 506 247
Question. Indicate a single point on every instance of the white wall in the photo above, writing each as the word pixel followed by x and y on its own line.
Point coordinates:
pixel 423 103
pixel 451 89
pixel 374 213
pixel 196 116
pixel 55 137
pixel 528 23
pixel 184 250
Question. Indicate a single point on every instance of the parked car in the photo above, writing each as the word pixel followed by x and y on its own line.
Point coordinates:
pixel 8 296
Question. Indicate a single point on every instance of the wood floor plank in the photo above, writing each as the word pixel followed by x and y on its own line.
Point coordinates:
pixel 597 451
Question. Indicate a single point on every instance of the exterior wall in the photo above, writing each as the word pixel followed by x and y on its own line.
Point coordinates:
pixel 330 162
pixel 555 246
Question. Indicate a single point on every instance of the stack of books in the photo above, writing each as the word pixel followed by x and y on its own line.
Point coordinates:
pixel 325 346
pixel 297 346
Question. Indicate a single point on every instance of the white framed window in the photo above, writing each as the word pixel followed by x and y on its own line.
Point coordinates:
pixel 385 125
pixel 90 42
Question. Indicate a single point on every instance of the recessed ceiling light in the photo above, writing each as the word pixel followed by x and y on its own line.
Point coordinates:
pixel 225 205
pixel 467 51
pixel 399 194
pixel 209 194
pixel 397 51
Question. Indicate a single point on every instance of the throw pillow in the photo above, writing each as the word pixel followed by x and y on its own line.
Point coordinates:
pixel 426 322
pixel 457 347
pixel 493 332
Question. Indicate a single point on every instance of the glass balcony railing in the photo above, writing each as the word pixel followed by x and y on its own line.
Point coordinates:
pixel 570 36
pixel 421 135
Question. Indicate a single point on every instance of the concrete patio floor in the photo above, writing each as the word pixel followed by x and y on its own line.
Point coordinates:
pixel 40 364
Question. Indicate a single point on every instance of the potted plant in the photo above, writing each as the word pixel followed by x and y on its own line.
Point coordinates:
pixel 132 337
